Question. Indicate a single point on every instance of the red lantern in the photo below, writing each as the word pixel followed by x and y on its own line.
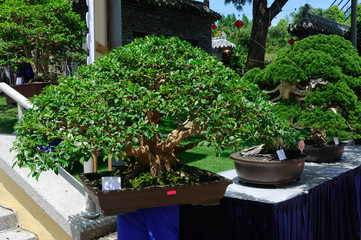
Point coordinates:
pixel 291 41
pixel 228 52
pixel 239 24
pixel 214 27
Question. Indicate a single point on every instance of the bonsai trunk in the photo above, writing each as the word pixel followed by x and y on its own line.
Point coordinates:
pixel 156 154
pixel 153 159
pixel 318 138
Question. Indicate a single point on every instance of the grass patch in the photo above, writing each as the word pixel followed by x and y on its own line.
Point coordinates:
pixel 206 158
pixel 8 116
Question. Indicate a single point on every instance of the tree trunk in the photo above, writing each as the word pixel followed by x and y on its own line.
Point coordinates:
pixel 156 154
pixel 262 17
pixel 257 42
pixel 153 157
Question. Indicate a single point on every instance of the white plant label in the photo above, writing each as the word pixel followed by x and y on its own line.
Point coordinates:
pixel 336 141
pixel 281 154
pixel 19 80
pixel 111 183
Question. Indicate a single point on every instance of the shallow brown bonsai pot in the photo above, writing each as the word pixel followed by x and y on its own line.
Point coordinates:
pixel 267 171
pixel 328 154
pixel 28 90
pixel 118 202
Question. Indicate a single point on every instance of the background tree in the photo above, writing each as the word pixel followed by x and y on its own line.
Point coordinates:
pixel 226 24
pixel 262 17
pixel 332 13
pixel 278 35
pixel 40 32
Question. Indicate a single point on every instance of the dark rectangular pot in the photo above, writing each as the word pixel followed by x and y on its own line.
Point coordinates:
pixel 28 90
pixel 118 202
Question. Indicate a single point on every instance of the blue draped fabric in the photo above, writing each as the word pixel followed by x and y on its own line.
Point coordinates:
pixel 158 223
pixel 330 211
pixel 25 71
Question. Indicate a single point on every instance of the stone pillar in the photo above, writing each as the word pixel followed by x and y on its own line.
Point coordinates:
pixel 91 211
pixel 354 23
pixel 115 23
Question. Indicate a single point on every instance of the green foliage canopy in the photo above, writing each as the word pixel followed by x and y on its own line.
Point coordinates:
pixel 43 33
pixel 333 66
pixel 118 102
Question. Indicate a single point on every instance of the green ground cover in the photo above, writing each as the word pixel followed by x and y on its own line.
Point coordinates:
pixel 8 116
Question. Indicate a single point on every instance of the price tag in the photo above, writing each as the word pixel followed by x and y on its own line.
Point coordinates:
pixel 301 146
pixel 281 154
pixel 111 183
pixel 335 139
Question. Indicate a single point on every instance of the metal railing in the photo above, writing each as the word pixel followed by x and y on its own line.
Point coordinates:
pixel 21 101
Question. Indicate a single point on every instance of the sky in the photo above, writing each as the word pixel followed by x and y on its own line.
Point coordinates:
pixel 289 7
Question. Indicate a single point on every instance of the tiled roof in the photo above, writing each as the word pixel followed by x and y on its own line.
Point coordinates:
pixel 222 42
pixel 184 5
pixel 310 22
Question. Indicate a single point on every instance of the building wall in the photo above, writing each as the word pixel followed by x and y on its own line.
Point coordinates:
pixel 140 21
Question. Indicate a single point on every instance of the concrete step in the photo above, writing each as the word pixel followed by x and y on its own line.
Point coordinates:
pixel 17 234
pixel 9 226
pixel 8 219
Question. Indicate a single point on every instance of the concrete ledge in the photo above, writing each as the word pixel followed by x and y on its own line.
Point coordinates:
pixel 61 200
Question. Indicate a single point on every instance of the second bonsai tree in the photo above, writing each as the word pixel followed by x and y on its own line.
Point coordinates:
pixel 317 86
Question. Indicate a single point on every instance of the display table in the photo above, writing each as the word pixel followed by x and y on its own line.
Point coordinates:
pixel 324 204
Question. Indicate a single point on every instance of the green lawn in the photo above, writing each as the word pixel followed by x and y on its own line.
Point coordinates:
pixel 205 158
pixel 8 116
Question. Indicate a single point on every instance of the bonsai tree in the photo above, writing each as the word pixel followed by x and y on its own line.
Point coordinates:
pixel 42 33
pixel 119 105
pixel 316 85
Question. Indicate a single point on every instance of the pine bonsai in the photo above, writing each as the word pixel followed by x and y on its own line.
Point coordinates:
pixel 316 85
pixel 116 108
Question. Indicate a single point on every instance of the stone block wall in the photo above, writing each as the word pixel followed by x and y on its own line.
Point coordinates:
pixel 142 20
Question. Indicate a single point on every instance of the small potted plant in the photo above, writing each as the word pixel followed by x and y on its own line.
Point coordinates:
pixel 41 36
pixel 118 107
pixel 316 86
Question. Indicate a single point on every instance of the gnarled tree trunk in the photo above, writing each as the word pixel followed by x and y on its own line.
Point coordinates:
pixel 156 154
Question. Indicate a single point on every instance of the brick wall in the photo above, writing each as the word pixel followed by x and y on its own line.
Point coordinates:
pixel 140 20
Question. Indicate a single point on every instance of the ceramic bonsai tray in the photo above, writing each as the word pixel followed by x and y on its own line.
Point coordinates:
pixel 257 170
pixel 28 90
pixel 326 154
pixel 118 202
